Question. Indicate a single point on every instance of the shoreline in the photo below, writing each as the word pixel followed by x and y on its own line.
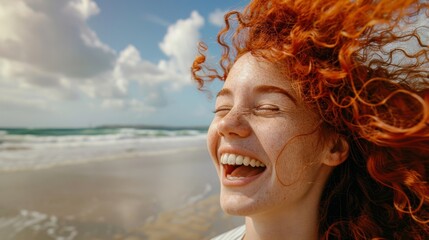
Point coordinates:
pixel 36 156
pixel 159 196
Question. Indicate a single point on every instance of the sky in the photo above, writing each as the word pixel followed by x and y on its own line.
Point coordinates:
pixel 86 63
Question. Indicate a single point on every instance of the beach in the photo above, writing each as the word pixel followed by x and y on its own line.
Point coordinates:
pixel 157 188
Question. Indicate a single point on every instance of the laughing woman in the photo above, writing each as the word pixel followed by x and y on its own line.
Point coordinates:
pixel 321 129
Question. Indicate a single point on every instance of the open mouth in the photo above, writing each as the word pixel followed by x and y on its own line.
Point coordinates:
pixel 239 167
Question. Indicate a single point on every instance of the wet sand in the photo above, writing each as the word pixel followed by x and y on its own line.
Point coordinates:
pixel 171 195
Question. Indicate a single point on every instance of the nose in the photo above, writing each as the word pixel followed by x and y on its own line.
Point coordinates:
pixel 234 124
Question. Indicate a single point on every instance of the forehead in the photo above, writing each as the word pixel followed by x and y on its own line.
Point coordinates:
pixel 248 73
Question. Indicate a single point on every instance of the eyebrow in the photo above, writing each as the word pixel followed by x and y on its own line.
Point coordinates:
pixel 224 92
pixel 273 89
pixel 261 89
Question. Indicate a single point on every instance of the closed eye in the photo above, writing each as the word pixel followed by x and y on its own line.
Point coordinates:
pixel 266 109
pixel 222 110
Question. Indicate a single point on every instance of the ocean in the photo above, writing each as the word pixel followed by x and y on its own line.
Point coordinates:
pixel 108 183
pixel 30 149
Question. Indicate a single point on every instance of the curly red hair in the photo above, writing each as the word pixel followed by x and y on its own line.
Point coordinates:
pixel 363 65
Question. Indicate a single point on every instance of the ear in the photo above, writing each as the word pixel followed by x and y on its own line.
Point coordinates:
pixel 338 152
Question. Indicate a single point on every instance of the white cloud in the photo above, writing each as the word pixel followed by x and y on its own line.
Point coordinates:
pixel 113 103
pixel 85 8
pixel 52 36
pixel 217 17
pixel 134 105
pixel 180 43
pixel 20 100
pixel 49 54
pixel 130 66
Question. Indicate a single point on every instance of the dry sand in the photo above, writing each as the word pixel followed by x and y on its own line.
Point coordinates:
pixel 164 196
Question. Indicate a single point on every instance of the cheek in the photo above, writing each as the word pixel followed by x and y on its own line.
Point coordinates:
pixel 212 141
pixel 299 161
pixel 273 137
pixel 291 147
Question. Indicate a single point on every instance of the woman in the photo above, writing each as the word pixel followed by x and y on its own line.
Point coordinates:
pixel 321 130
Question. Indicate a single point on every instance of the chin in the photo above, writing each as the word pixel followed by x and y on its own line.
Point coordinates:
pixel 237 204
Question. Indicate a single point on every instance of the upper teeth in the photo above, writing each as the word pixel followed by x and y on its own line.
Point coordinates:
pixel 233 159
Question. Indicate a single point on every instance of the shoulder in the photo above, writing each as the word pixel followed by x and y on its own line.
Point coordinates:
pixel 234 234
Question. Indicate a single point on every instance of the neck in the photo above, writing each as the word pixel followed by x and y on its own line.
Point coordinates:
pixel 298 223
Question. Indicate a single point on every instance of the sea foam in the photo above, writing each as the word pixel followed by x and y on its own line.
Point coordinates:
pixel 30 152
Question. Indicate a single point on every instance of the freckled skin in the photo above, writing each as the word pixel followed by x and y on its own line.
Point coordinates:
pixel 264 124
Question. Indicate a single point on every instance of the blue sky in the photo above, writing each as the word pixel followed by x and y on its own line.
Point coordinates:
pixel 81 63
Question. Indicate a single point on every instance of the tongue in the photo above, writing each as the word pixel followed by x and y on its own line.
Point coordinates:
pixel 246 171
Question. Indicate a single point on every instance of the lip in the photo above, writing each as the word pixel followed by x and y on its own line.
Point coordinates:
pixel 237 182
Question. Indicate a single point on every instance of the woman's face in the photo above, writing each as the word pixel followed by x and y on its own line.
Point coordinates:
pixel 262 123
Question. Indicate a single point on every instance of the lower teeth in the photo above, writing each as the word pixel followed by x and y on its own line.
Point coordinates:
pixel 233 178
